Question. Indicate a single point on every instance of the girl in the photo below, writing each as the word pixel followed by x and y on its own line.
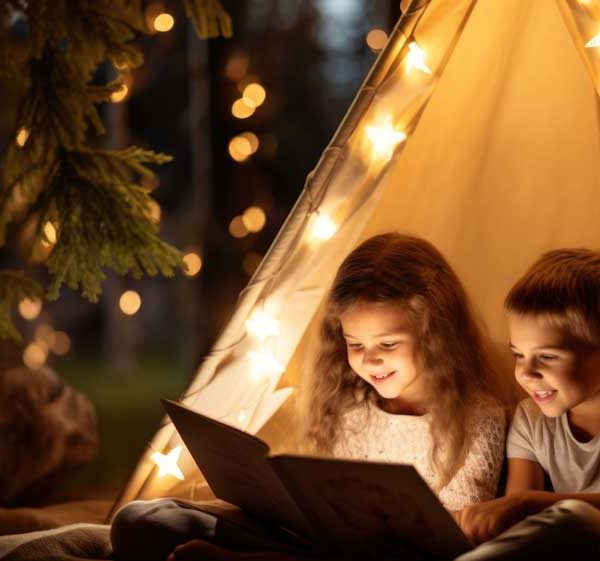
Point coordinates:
pixel 401 375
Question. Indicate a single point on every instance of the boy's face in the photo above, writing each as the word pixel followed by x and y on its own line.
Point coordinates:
pixel 560 373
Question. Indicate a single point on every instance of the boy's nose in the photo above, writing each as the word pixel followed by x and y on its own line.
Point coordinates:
pixel 528 370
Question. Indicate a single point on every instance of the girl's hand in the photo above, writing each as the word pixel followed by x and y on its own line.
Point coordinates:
pixel 483 521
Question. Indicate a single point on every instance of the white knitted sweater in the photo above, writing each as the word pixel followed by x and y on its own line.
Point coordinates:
pixel 373 434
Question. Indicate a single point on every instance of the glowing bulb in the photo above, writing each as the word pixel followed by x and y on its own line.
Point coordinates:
pixel 593 42
pixel 60 343
pixel 120 94
pixel 241 110
pixel 240 148
pixel 241 418
pixel 22 136
pixel 130 302
pixel 250 262
pixel 376 39
pixel 167 463
pixel 154 211
pixel 323 227
pixel 254 218
pixel 262 364
pixel 34 355
pixel 262 325
pixel 385 138
pixel 50 236
pixel 30 309
pixel 237 228
pixel 193 264
pixel 255 93
pixel 416 59
pixel 163 22
pixel 252 139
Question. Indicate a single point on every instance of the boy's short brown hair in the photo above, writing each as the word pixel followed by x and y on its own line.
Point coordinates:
pixel 564 286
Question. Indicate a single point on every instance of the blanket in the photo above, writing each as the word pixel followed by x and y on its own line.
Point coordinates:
pixel 76 542
pixel 31 519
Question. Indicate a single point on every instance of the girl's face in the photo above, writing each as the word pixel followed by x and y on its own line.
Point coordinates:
pixel 381 350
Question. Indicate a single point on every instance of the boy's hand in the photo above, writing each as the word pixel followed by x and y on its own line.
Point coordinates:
pixel 483 521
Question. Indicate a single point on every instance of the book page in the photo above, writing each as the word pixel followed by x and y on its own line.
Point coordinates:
pixel 235 466
pixel 371 507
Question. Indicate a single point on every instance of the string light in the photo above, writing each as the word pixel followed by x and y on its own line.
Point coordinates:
pixel 30 308
pixel 416 59
pixel 237 228
pixel 262 324
pixel 119 95
pixel 130 302
pixel 252 139
pixel 163 22
pixel 34 355
pixel 240 148
pixel 593 42
pixel 254 219
pixel 241 110
pixel 154 211
pixel 49 238
pixel 236 66
pixel 376 39
pixel 193 264
pixel 385 138
pixel 167 463
pixel 323 227
pixel 22 136
pixel 250 262
pixel 60 343
pixel 255 94
pixel 263 364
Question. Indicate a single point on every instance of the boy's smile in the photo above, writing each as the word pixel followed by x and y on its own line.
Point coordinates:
pixel 559 372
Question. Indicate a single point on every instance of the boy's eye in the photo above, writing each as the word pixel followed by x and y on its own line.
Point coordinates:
pixel 548 357
pixel 516 355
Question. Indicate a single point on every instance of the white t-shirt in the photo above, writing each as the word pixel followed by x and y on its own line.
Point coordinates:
pixel 373 434
pixel 573 466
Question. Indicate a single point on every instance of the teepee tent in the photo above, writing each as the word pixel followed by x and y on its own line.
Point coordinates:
pixel 477 129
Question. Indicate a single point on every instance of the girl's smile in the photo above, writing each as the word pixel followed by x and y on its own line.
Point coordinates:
pixel 381 350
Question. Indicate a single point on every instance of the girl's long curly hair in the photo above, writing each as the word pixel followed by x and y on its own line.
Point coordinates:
pixel 450 353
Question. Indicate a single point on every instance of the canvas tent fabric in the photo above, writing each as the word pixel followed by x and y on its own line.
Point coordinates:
pixel 501 162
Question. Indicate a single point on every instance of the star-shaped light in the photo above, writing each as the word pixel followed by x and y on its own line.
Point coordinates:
pixel 262 325
pixel 416 59
pixel 262 364
pixel 593 42
pixel 385 138
pixel 167 463
pixel 323 227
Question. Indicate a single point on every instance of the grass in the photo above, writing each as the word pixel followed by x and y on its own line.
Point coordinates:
pixel 129 412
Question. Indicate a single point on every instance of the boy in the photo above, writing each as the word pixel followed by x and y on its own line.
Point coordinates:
pixel 554 324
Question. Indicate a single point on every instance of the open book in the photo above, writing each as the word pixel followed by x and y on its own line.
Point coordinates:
pixel 365 508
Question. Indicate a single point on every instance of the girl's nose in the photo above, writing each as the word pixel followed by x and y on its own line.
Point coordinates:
pixel 371 356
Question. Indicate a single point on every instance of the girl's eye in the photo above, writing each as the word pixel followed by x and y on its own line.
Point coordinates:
pixel 388 346
pixel 548 357
pixel 354 346
pixel 517 356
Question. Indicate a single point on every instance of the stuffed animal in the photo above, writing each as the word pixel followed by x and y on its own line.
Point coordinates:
pixel 46 429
